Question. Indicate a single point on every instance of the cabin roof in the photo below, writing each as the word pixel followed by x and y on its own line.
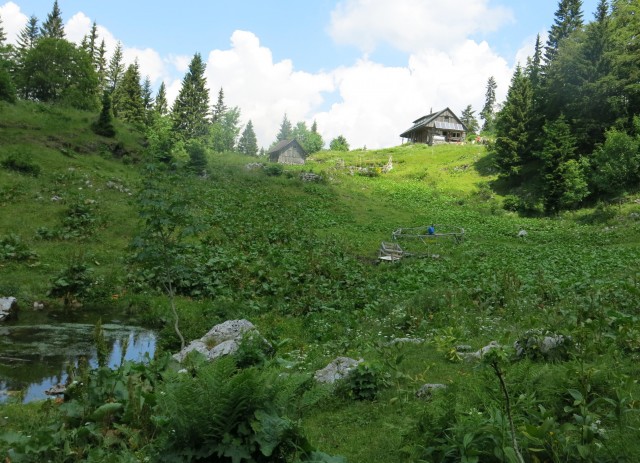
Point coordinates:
pixel 429 118
pixel 284 144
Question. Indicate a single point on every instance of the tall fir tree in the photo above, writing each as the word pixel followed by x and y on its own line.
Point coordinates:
pixel 512 148
pixel 115 68
pixel 128 102
pixel 104 125
pixel 248 143
pixel 286 130
pixel 147 99
pixel 161 106
pixel 190 111
pixel 101 65
pixel 563 175
pixel 53 27
pixel 568 18
pixel 28 36
pixel 219 109
pixel 488 110
pixel 469 120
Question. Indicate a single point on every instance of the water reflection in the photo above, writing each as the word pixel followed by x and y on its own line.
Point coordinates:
pixel 35 357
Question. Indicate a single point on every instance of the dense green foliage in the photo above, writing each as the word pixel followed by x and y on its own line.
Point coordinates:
pixel 584 80
pixel 299 260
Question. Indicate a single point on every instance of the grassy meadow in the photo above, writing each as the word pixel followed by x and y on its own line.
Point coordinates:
pixel 299 260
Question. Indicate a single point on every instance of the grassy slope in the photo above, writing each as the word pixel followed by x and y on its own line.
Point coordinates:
pixel 493 286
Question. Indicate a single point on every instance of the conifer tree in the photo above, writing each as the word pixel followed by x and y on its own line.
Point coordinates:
pixel 286 131
pixel 248 143
pixel 101 65
pixel 568 18
pixel 104 125
pixel 512 147
pixel 487 113
pixel 115 69
pixel 52 27
pixel 223 135
pixel 28 35
pixel 219 109
pixel 129 98
pixel 469 120
pixel 147 99
pixel 190 111
pixel 563 179
pixel 161 106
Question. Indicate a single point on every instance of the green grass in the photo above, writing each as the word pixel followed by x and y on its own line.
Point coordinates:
pixel 298 259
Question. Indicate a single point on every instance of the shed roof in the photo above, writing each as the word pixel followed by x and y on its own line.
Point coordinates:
pixel 284 144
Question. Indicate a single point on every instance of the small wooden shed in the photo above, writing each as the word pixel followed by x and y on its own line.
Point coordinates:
pixel 287 152
pixel 439 127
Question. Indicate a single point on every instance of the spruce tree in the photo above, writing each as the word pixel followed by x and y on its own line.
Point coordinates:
pixel 512 148
pixel 128 94
pixel 223 135
pixel 28 36
pixel 52 27
pixel 563 176
pixel 568 18
pixel 286 131
pixel 219 109
pixel 468 118
pixel 104 125
pixel 487 113
pixel 190 111
pixel 248 144
pixel 101 65
pixel 115 69
pixel 161 106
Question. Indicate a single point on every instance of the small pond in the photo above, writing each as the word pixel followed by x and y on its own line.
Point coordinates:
pixel 36 349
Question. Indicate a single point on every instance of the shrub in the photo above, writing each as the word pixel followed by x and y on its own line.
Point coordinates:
pixel 274 170
pixel 73 282
pixel 12 248
pixel 23 166
pixel 363 382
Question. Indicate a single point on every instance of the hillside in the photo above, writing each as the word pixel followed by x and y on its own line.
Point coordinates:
pixel 299 259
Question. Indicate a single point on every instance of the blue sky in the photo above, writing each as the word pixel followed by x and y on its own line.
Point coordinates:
pixel 361 68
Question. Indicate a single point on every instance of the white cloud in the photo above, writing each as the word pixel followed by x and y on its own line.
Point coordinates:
pixel 263 90
pixel 13 21
pixel 380 102
pixel 411 25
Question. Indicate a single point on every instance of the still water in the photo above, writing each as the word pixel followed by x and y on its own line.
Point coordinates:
pixel 37 350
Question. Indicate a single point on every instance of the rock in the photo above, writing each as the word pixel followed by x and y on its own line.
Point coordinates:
pixel 310 177
pixel 222 339
pixel 8 308
pixel 337 369
pixel 522 234
pixel 38 305
pixel 395 341
pixel 539 344
pixel 480 352
pixel 426 390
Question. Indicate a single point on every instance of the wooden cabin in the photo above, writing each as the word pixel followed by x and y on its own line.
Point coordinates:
pixel 287 152
pixel 439 127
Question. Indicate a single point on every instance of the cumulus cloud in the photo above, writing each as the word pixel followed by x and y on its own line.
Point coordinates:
pixel 262 89
pixel 411 25
pixel 13 21
pixel 378 102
